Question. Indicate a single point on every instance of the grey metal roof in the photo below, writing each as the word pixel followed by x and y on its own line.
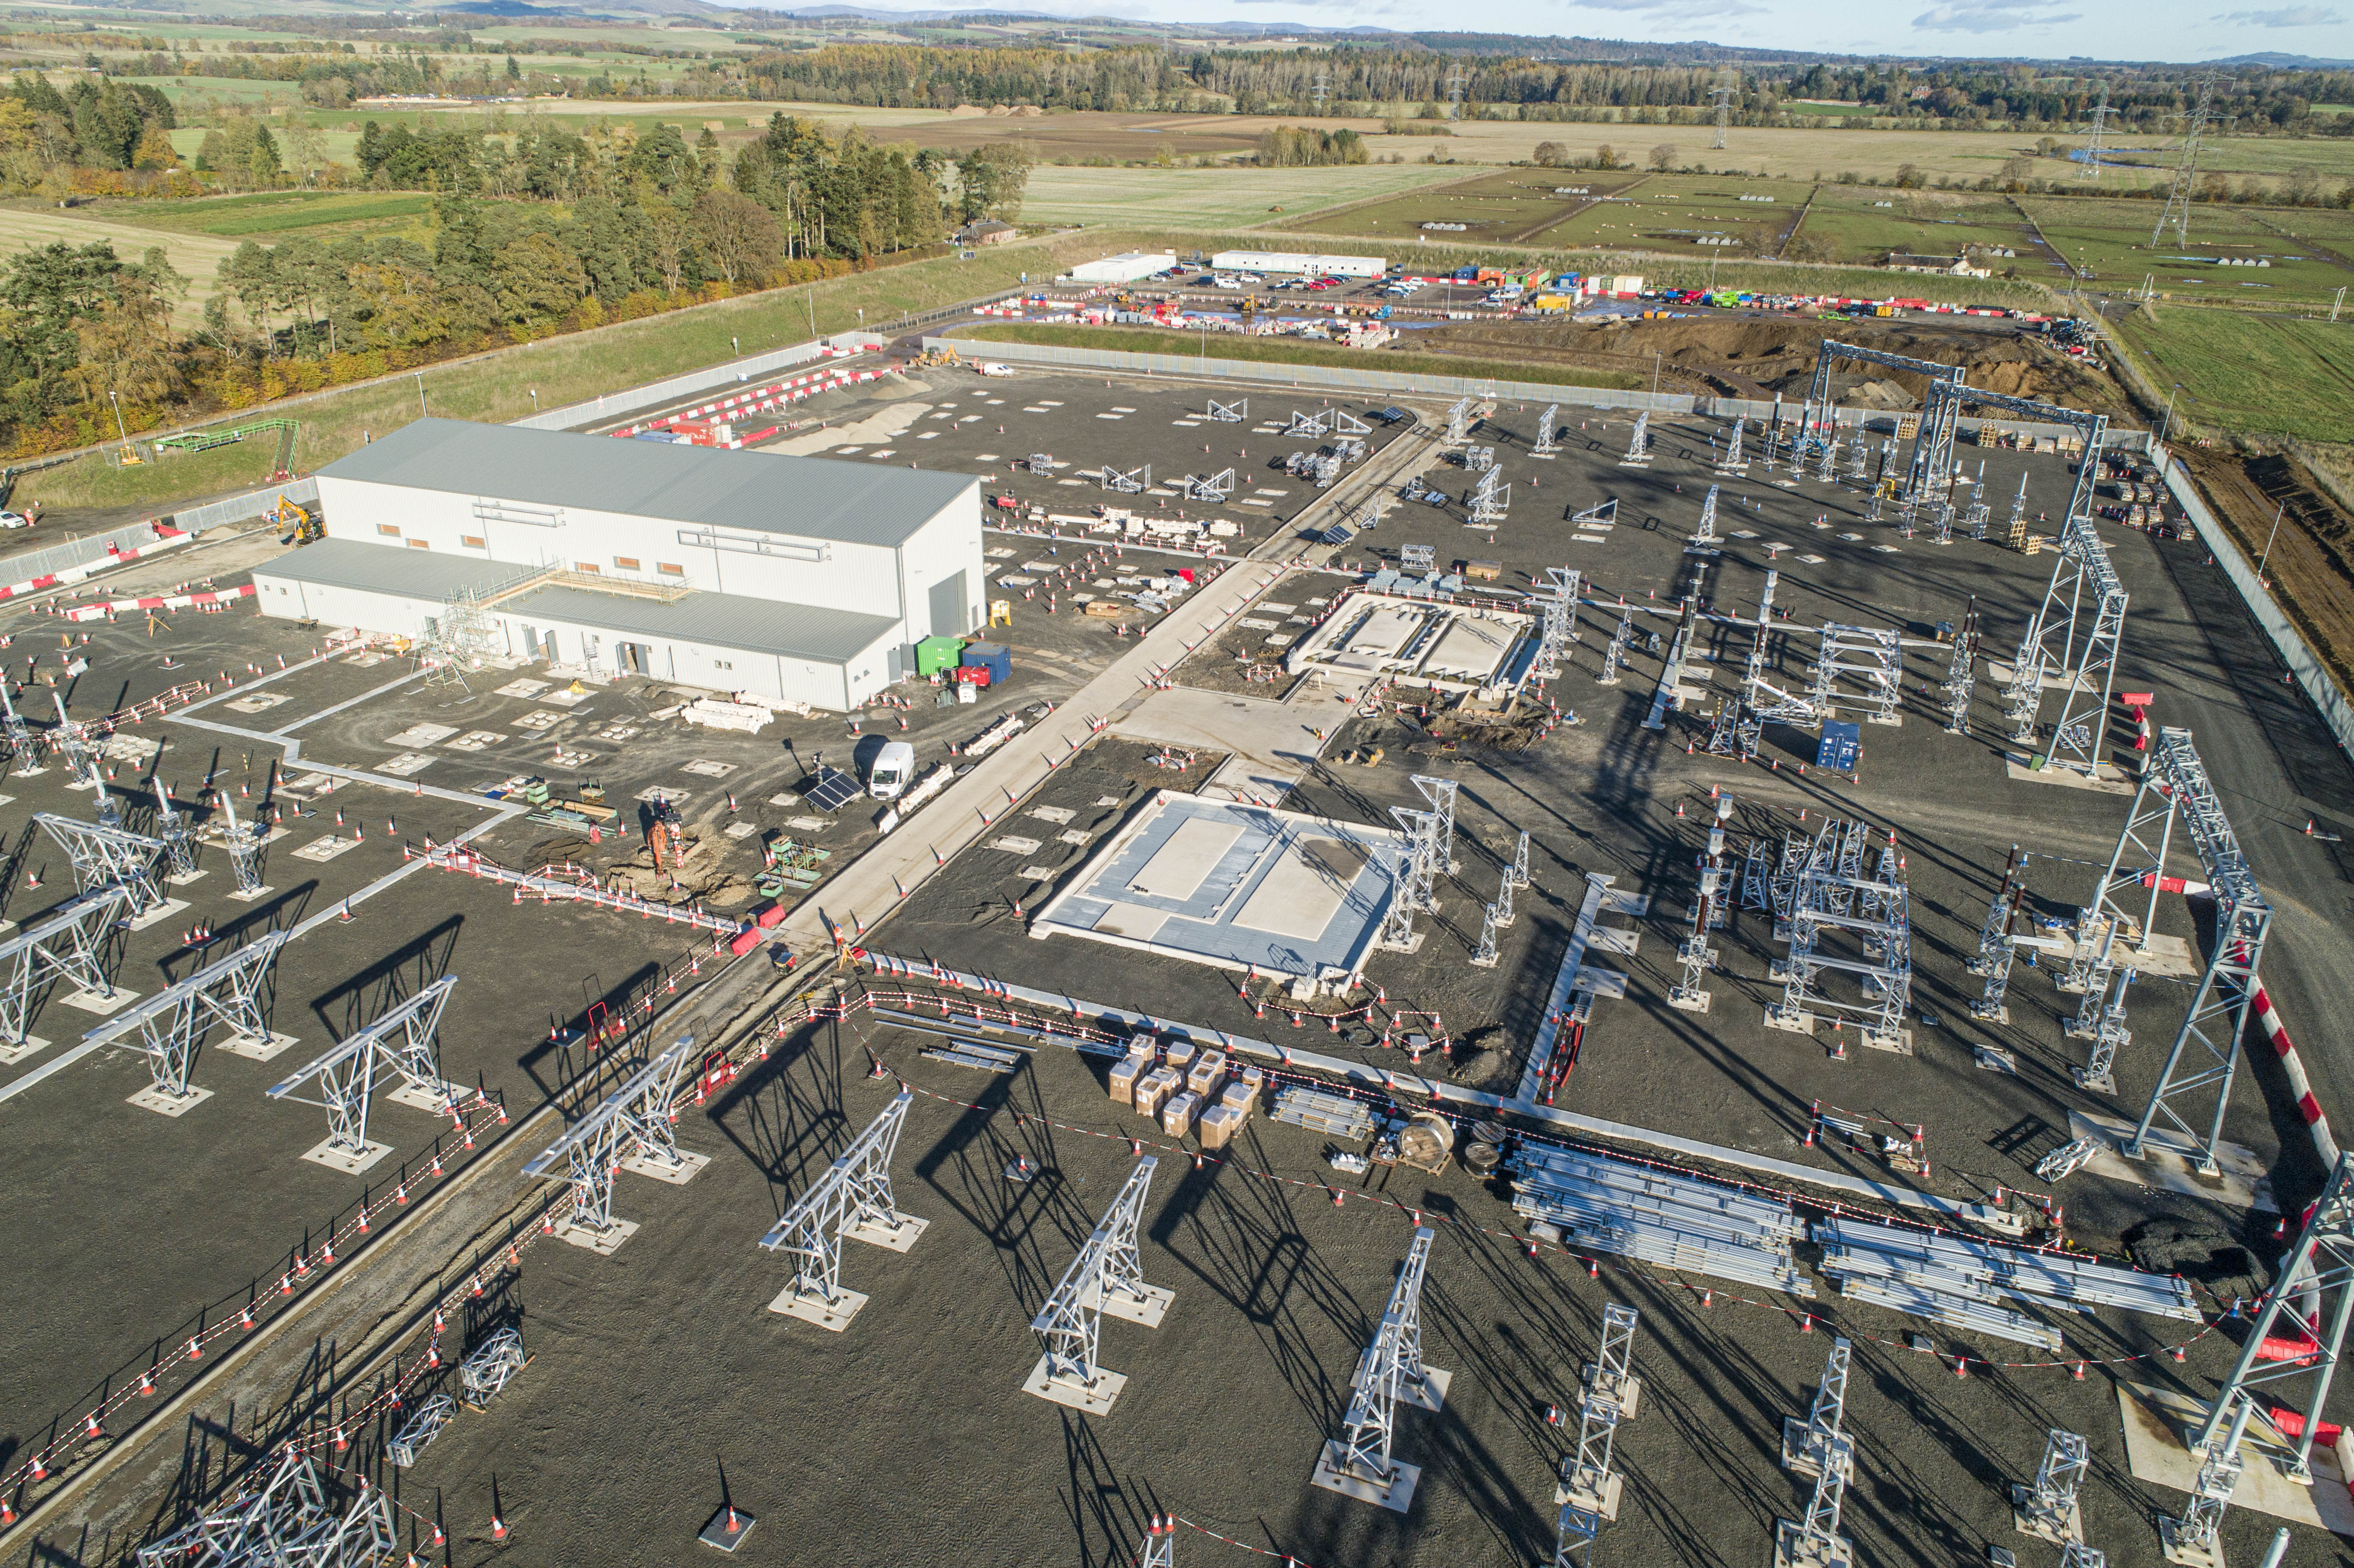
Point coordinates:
pixel 815 498
pixel 712 620
pixel 389 568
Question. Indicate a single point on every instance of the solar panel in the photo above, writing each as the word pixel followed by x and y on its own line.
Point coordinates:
pixel 1338 533
pixel 833 790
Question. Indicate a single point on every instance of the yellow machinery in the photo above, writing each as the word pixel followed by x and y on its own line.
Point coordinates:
pixel 297 524
pixel 942 356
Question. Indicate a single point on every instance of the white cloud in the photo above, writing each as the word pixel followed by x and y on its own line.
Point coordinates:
pixel 2289 17
pixel 1991 16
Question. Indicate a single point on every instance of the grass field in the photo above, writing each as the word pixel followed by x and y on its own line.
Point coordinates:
pixel 195 255
pixel 1852 218
pixel 267 213
pixel 573 368
pixel 2251 373
pixel 2112 238
pixel 1288 351
pixel 1673 213
pixel 1208 197
pixel 1508 209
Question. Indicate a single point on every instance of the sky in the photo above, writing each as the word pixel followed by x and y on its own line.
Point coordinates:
pixel 2178 30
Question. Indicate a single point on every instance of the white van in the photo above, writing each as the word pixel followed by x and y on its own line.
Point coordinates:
pixel 895 766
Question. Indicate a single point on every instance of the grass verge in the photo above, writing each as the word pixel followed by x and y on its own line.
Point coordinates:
pixel 1286 351
pixel 2260 375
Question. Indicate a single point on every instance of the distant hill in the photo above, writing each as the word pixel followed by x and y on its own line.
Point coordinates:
pixel 2277 61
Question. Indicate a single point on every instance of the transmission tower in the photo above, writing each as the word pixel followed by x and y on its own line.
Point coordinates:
pixel 2091 169
pixel 1722 92
pixel 2186 168
pixel 1455 90
pixel 1323 90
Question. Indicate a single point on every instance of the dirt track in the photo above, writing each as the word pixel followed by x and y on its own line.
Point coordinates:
pixel 2311 565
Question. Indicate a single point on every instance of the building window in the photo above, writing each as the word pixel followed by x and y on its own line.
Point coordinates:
pixel 669 570
pixel 473 541
pixel 421 544
pixel 387 529
pixel 626 563
pixel 591 567
pixel 723 663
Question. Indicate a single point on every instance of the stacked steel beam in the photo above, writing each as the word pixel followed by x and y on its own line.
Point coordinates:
pixel 1676 1221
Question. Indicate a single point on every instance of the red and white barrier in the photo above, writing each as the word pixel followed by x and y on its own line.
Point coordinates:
pixel 164 539
pixel 2300 1084
pixel 760 399
pixel 210 601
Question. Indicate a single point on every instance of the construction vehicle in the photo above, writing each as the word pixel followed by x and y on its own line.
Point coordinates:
pixel 943 357
pixel 297 524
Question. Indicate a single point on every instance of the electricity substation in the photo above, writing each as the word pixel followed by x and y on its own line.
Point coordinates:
pixel 1450 979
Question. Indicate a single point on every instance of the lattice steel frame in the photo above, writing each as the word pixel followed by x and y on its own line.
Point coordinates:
pixel 2050 1504
pixel 1458 423
pixel 853 1199
pixel 173 1024
pixel 179 843
pixel 1816 1543
pixel 1825 896
pixel 286 1523
pixel 68 945
pixel 400 1044
pixel 1070 1323
pixel 72 741
pixel 21 744
pixel 1546 445
pixel 1809 1445
pixel 1874 655
pixel 1638 444
pixel 1389 1366
pixel 244 846
pixel 1704 533
pixel 632 1122
pixel 105 857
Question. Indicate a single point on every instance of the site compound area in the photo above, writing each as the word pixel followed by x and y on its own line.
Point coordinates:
pixel 1134 969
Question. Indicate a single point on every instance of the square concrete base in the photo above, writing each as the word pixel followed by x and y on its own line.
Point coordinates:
pixel 162 1104
pixel 1118 1303
pixel 102 1003
pixel 183 881
pixel 258 1048
pixel 1629 1391
pixel 2157 1425
pixel 2239 1179
pixel 1397 1495
pixel 334 1157
pixel 834 1317
pixel 1096 1398
pixel 1896 1042
pixel 241 897
pixel 677 1175
pixel 416 1097
pixel 1690 1001
pixel 1790 1022
pixel 1994 1059
pixel 164 911
pixel 2180 1551
pixel 1788 1553
pixel 604 1242
pixel 2073 1530
pixel 1795 1459
pixel 1430 1394
pixel 11 1054
pixel 1604 1505
pixel 727 1528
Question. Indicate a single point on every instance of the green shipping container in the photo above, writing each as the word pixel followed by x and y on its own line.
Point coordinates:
pixel 934 654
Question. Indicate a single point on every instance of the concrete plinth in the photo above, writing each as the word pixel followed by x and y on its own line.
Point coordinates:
pixel 10 1054
pixel 897 1237
pixel 258 1048
pixel 2239 1179
pixel 335 1156
pixel 417 1097
pixel 833 1316
pixel 1095 1398
pixel 102 1003
pixel 1119 1303
pixel 1603 1504
pixel 1629 1394
pixel 1693 1001
pixel 163 1104
pixel 184 878
pixel 1789 1021
pixel 2183 1552
pixel 604 1242
pixel 1791 1550
pixel 161 911
pixel 678 1175
pixel 1896 1042
pixel 1396 1494
pixel 2059 1533
pixel 243 896
pixel 727 1528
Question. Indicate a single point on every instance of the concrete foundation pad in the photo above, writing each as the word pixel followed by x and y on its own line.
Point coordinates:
pixel 1697 1002
pixel 10 1054
pixel 241 897
pixel 156 1100
pixel 727 1528
pixel 1630 1394
pixel 2157 1425
pixel 1096 1398
pixel 897 1237
pixel 604 1242
pixel 679 1175
pixel 1790 1022
pixel 164 911
pixel 335 1157
pixel 2074 1529
pixel 417 1097
pixel 1605 1505
pixel 102 1003
pixel 2106 780
pixel 1896 1042
pixel 1788 1537
pixel 832 1316
pixel 2241 1178
pixel 2182 1553
pixel 1995 1059
pixel 1794 1457
pixel 1119 1304
pixel 1396 1495
pixel 183 881
pixel 256 1048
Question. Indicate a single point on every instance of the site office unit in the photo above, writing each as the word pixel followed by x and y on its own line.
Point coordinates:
pixel 807 579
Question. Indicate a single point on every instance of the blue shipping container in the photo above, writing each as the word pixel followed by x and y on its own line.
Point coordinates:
pixel 1841 747
pixel 997 659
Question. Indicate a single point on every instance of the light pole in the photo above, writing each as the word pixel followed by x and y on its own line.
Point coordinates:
pixel 2165 426
pixel 1655 373
pixel 420 394
pixel 535 399
pixel 2277 513
pixel 116 398
pixel 735 345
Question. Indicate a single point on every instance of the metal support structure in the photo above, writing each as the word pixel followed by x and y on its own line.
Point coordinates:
pixel 2195 1536
pixel 2048 1507
pixel 2177 210
pixel 179 843
pixel 2306 1310
pixel 22 746
pixel 1996 951
pixel 1489 499
pixel 1703 536
pixel 1547 444
pixel 2227 986
pixel 1211 487
pixel 1106 1277
pixel 171 1025
pixel 1874 656
pixel 1556 602
pixel 1484 956
pixel 244 846
pixel 401 1044
pixel 2084 588
pixel 285 1522
pixel 70 944
pixel 490 1366
pixel 1440 795
pixel 1616 654
pixel 1871 916
pixel 1732 460
pixel 1638 444
pixel 1359 1462
pixel 1694 953
pixel 1611 1373
pixel 1131 481
pixel 1816 1543
pixel 72 742
pixel 420 1430
pixel 1234 413
pixel 107 857
pixel 1961 677
pixel 1458 423
pixel 852 1198
pixel 1807 1444
pixel 1159 1544
pixel 2091 166
pixel 1518 876
pixel 2076 1554
pixel 630 1129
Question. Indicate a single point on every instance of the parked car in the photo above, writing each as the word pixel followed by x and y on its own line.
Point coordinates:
pixel 15 520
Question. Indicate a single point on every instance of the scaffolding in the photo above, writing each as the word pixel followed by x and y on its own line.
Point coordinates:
pixel 458 639
pixel 630 1129
pixel 172 1024
pixel 852 1198
pixel 288 1520
pixel 1106 1277
pixel 401 1044
pixel 1359 1462
pixel 2085 596
pixel 107 857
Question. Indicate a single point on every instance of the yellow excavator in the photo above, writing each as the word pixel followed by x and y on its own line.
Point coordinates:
pixel 297 524
pixel 943 356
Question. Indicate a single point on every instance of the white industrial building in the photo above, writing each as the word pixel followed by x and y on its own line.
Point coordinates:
pixel 1300 261
pixel 1129 267
pixel 805 579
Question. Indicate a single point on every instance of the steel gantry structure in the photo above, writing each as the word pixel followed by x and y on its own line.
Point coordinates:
pixel 399 1044
pixel 630 1129
pixel 107 857
pixel 1921 480
pixel 1106 1279
pixel 71 944
pixel 2085 604
pixel 286 1522
pixel 852 1198
pixel 1391 1373
pixel 172 1024
pixel 1834 894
